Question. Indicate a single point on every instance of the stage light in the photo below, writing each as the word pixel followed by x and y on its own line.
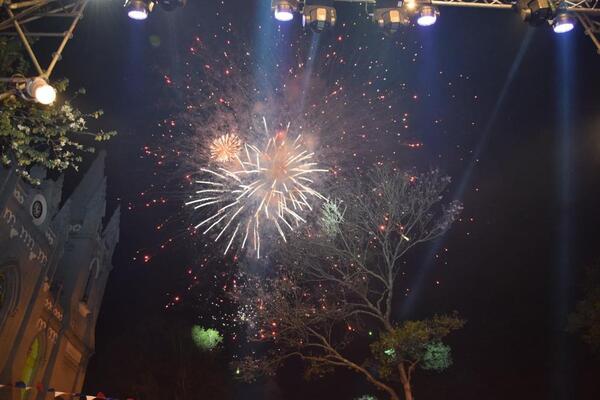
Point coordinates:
pixel 411 5
pixel 138 9
pixel 39 90
pixel 535 12
pixel 283 10
pixel 319 15
pixel 389 16
pixel 563 22
pixel 427 15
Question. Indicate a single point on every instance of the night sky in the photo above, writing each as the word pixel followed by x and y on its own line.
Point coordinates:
pixel 511 113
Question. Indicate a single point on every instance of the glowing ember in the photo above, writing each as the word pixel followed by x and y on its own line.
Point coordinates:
pixel 225 148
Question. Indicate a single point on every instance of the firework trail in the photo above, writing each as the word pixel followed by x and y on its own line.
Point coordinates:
pixel 261 187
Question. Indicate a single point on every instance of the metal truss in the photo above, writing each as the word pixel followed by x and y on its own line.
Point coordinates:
pixel 591 27
pixel 587 11
pixel 40 20
pixel 28 19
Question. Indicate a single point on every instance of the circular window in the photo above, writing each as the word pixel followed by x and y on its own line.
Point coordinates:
pixel 39 209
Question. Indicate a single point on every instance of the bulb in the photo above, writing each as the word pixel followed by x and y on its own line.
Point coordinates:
pixel 138 9
pixel 45 94
pixel 138 14
pixel 41 91
pixel 426 20
pixel 563 22
pixel 564 27
pixel 283 16
pixel 427 16
pixel 284 12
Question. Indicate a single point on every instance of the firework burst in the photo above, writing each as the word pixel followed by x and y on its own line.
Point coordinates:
pixel 268 187
pixel 225 148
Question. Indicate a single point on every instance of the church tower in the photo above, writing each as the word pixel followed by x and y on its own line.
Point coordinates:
pixel 54 265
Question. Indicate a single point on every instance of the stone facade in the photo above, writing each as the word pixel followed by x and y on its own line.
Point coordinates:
pixel 55 258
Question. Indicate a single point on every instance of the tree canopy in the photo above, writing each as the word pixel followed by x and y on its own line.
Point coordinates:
pixel 335 282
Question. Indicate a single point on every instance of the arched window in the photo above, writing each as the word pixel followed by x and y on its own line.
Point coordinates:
pixel 89 283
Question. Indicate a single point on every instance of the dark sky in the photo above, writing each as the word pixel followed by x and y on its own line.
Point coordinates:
pixel 501 269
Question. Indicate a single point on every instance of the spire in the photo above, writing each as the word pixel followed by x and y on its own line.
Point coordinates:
pixel 111 232
pixel 53 191
pixel 88 204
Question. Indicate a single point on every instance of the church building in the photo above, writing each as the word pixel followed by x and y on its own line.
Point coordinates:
pixel 55 258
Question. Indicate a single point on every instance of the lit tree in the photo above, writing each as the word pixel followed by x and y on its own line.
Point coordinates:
pixel 33 134
pixel 338 278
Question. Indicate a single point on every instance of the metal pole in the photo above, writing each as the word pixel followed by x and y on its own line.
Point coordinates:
pixel 471 5
pixel 6 95
pixel 23 4
pixel 34 34
pixel 68 35
pixel 53 13
pixel 589 30
pixel 25 42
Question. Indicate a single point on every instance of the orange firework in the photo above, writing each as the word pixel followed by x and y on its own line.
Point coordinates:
pixel 225 148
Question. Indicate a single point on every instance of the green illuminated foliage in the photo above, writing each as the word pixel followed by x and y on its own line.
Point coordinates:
pixel 437 357
pixel 206 339
pixel 416 343
pixel 332 217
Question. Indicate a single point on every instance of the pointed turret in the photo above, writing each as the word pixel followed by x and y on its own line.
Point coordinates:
pixel 53 190
pixel 111 232
pixel 88 201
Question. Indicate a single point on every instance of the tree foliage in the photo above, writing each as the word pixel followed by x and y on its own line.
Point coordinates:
pixel 54 136
pixel 414 342
pixel 206 338
pixel 336 280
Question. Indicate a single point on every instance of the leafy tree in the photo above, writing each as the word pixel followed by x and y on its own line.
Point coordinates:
pixel 34 134
pixel 586 318
pixel 414 343
pixel 338 279
pixel 206 338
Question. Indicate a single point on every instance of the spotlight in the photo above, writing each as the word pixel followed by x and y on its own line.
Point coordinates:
pixel 39 90
pixel 427 15
pixel 535 12
pixel 319 15
pixel 138 9
pixel 411 5
pixel 563 22
pixel 283 10
pixel 389 16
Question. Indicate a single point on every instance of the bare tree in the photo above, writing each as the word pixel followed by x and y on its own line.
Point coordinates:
pixel 339 276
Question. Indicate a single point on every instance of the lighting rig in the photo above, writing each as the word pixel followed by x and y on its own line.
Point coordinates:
pixel 389 15
pixel 53 19
pixel 29 20
pixel 139 9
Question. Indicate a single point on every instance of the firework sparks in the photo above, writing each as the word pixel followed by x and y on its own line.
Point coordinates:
pixel 225 148
pixel 264 187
